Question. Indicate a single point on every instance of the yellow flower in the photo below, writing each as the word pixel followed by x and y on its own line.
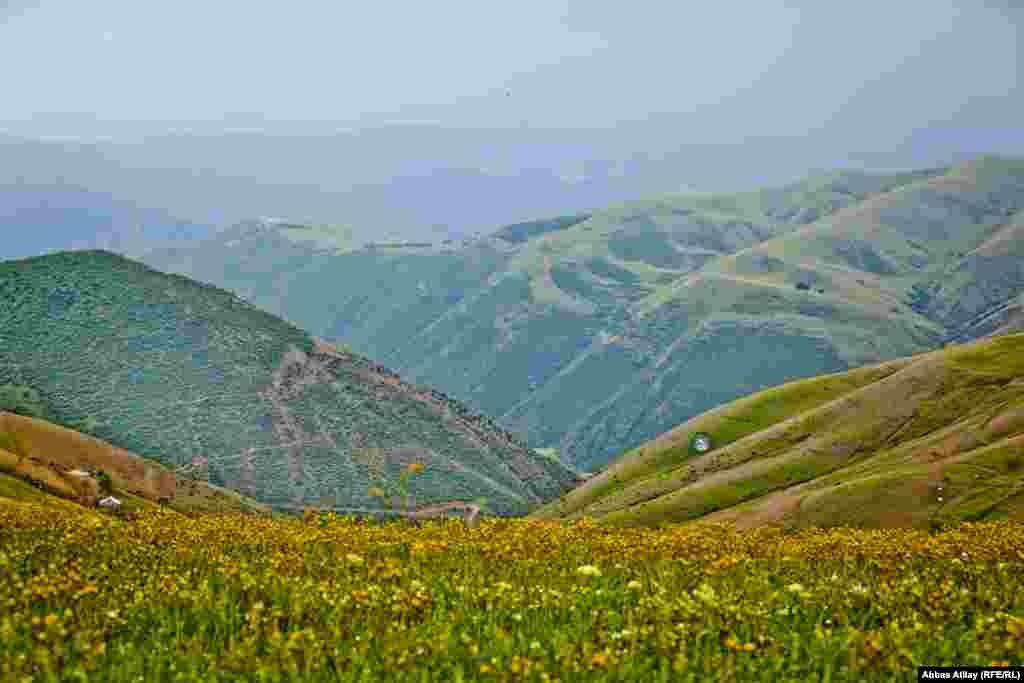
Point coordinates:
pixel 634 585
pixel 589 570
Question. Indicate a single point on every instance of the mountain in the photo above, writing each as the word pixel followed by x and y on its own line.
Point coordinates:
pixel 40 218
pixel 423 182
pixel 591 333
pixel 416 182
pixel 190 375
pixel 922 441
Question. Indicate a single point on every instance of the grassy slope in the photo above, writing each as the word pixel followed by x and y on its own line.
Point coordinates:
pixel 864 268
pixel 167 367
pixel 935 438
pixel 37 458
pixel 657 240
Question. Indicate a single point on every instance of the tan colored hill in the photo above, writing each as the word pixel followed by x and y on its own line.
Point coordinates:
pixel 920 441
pixel 44 462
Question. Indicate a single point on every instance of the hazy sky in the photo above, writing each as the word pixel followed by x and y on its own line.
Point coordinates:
pixel 713 71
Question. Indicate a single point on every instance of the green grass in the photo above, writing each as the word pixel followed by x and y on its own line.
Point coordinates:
pixel 14 488
pixel 1003 356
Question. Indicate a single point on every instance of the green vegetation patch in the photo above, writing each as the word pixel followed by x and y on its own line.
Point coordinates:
pixel 9 442
pixel 17 489
pixel 523 232
pixel 1002 356
pixel 705 500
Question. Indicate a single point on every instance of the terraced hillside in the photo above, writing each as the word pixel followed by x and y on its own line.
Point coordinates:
pixel 192 376
pixel 922 441
pixel 591 334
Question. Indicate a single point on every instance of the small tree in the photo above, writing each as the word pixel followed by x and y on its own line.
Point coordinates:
pixel 381 492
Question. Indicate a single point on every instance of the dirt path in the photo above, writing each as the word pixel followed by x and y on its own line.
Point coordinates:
pixel 438 510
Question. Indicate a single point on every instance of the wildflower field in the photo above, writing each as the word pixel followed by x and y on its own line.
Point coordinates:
pixel 166 597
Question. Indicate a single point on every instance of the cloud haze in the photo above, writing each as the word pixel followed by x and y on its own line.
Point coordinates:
pixel 721 70
pixel 402 116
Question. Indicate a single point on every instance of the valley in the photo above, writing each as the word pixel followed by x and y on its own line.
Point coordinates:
pixel 592 333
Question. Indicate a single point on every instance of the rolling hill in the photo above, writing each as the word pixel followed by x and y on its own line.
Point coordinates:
pixel 922 441
pixel 193 377
pixel 592 333
pixel 41 462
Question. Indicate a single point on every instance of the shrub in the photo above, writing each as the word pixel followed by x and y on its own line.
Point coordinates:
pixel 106 482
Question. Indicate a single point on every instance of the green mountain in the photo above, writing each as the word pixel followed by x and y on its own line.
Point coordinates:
pixel 922 441
pixel 193 377
pixel 590 334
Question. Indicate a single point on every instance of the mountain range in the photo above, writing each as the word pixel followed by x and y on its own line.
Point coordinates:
pixel 427 182
pixel 588 334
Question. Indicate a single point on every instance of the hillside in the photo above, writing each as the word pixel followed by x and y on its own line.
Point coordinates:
pixel 921 441
pixel 590 334
pixel 191 376
pixel 45 463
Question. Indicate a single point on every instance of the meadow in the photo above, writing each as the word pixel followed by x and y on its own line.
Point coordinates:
pixel 85 596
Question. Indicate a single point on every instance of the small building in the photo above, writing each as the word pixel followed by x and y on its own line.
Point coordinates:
pixel 110 502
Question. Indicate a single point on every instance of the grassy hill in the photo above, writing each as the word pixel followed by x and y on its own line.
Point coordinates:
pixel 596 332
pixel 922 441
pixel 193 377
pixel 47 464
